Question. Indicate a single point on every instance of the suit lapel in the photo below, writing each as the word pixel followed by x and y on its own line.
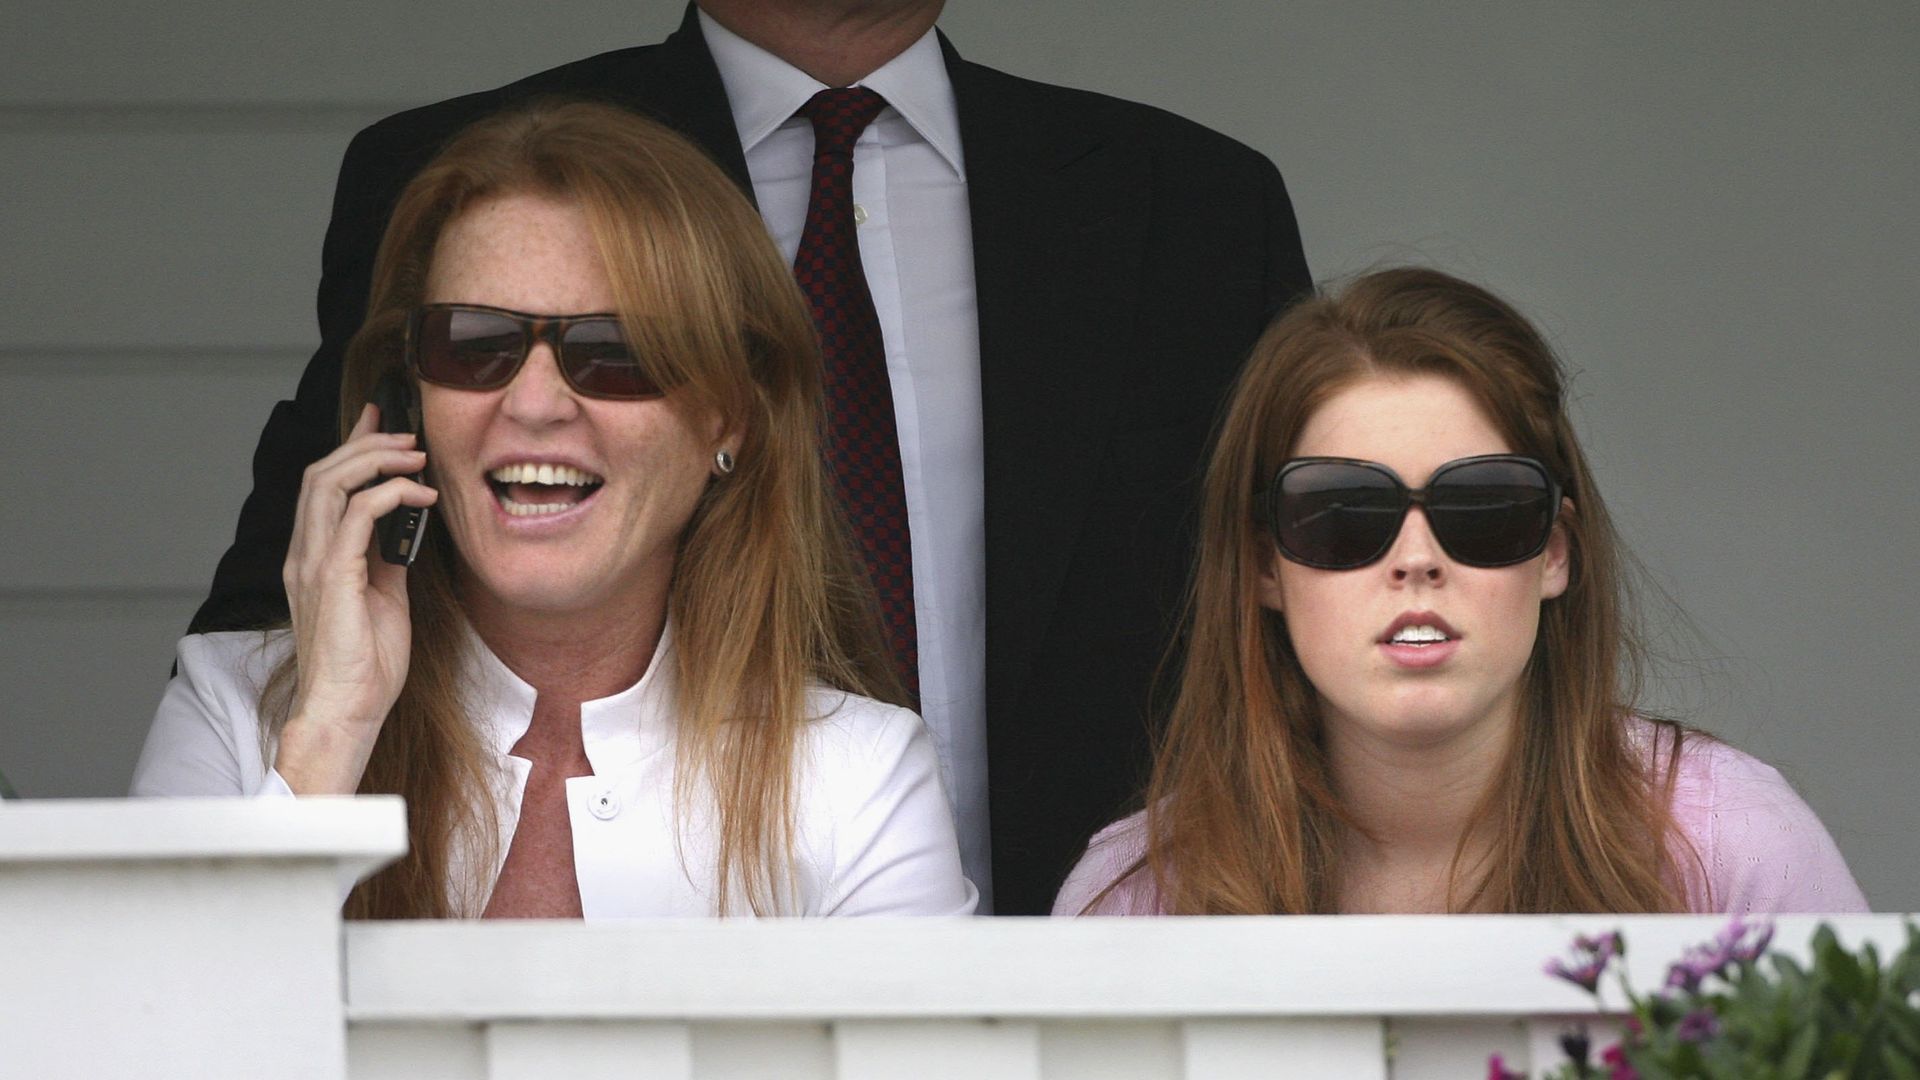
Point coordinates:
pixel 1057 220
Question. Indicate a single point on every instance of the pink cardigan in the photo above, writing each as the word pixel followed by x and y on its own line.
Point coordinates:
pixel 1760 845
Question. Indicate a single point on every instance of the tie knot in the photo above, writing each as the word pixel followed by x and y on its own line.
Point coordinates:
pixel 839 114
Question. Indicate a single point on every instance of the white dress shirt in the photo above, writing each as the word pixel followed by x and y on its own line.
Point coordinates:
pixel 874 835
pixel 916 246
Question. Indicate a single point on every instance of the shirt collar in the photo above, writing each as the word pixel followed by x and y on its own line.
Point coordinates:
pixel 765 91
pixel 617 730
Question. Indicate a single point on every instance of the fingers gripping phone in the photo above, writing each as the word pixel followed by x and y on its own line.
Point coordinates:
pixel 400 532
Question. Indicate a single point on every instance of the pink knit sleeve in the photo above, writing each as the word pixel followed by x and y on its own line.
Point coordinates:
pixel 1112 850
pixel 1761 847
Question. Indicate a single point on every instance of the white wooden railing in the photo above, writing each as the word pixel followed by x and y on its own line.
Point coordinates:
pixel 201 939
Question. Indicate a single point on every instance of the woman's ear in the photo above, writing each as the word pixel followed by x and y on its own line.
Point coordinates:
pixel 1268 587
pixel 1556 573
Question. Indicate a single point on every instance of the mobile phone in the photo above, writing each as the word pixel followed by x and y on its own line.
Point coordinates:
pixel 400 532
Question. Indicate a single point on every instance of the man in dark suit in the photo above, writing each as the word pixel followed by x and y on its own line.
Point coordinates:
pixel 1122 261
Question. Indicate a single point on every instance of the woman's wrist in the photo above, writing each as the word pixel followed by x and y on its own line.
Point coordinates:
pixel 318 757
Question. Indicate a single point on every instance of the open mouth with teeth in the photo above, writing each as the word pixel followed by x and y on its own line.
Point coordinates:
pixel 1418 635
pixel 528 490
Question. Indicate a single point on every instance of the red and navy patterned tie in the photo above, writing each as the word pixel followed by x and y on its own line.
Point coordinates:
pixel 863 445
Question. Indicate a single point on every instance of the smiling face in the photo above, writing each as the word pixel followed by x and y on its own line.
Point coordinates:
pixel 557 503
pixel 1414 649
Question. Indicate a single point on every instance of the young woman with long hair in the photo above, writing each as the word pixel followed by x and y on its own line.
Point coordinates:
pixel 1409 674
pixel 636 669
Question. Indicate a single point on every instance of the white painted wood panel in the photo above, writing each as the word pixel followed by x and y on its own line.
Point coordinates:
pixel 1352 1048
pixel 128 472
pixel 717 1051
pixel 1120 999
pixel 763 1051
pixel 175 240
pixel 416 1052
pixel 1110 1050
pixel 544 1049
pixel 1454 1048
pixel 1042 968
pixel 959 1049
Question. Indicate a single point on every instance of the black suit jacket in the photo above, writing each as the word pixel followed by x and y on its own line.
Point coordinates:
pixel 1125 260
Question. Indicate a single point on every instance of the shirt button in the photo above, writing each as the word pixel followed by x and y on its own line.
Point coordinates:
pixel 605 805
pixel 859 214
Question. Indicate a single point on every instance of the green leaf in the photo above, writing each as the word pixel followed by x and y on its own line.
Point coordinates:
pixel 1903 973
pixel 1842 1046
pixel 1658 1070
pixel 1903 1028
pixel 1793 977
pixel 1900 1064
pixel 1721 1061
pixel 1870 966
pixel 1799 1055
pixel 1836 966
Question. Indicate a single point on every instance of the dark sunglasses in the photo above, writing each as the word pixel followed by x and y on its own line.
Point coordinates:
pixel 473 347
pixel 1341 514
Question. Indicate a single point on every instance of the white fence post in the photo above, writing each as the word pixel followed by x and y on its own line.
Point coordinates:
pixel 180 938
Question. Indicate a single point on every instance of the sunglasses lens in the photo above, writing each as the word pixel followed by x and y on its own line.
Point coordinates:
pixel 474 349
pixel 600 362
pixel 1335 515
pixel 1492 513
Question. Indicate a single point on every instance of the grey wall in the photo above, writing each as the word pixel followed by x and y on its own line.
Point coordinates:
pixel 1709 206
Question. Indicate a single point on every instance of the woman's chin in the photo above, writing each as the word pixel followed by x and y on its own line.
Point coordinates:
pixel 1435 730
pixel 1429 719
pixel 549 591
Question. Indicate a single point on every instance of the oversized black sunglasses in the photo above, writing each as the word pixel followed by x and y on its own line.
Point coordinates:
pixel 474 347
pixel 1341 514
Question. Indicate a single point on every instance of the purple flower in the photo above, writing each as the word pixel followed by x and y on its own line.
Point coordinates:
pixel 1606 946
pixel 1584 975
pixel 1682 977
pixel 1747 949
pixel 1698 963
pixel 1730 934
pixel 1738 942
pixel 1594 954
pixel 1698 1026
pixel 1497 1070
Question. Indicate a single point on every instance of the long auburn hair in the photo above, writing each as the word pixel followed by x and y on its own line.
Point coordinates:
pixel 1242 813
pixel 767 595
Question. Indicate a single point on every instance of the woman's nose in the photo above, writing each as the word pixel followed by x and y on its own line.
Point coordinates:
pixel 1416 555
pixel 539 394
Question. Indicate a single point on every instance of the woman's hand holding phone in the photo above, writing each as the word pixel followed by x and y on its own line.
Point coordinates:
pixel 349 607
